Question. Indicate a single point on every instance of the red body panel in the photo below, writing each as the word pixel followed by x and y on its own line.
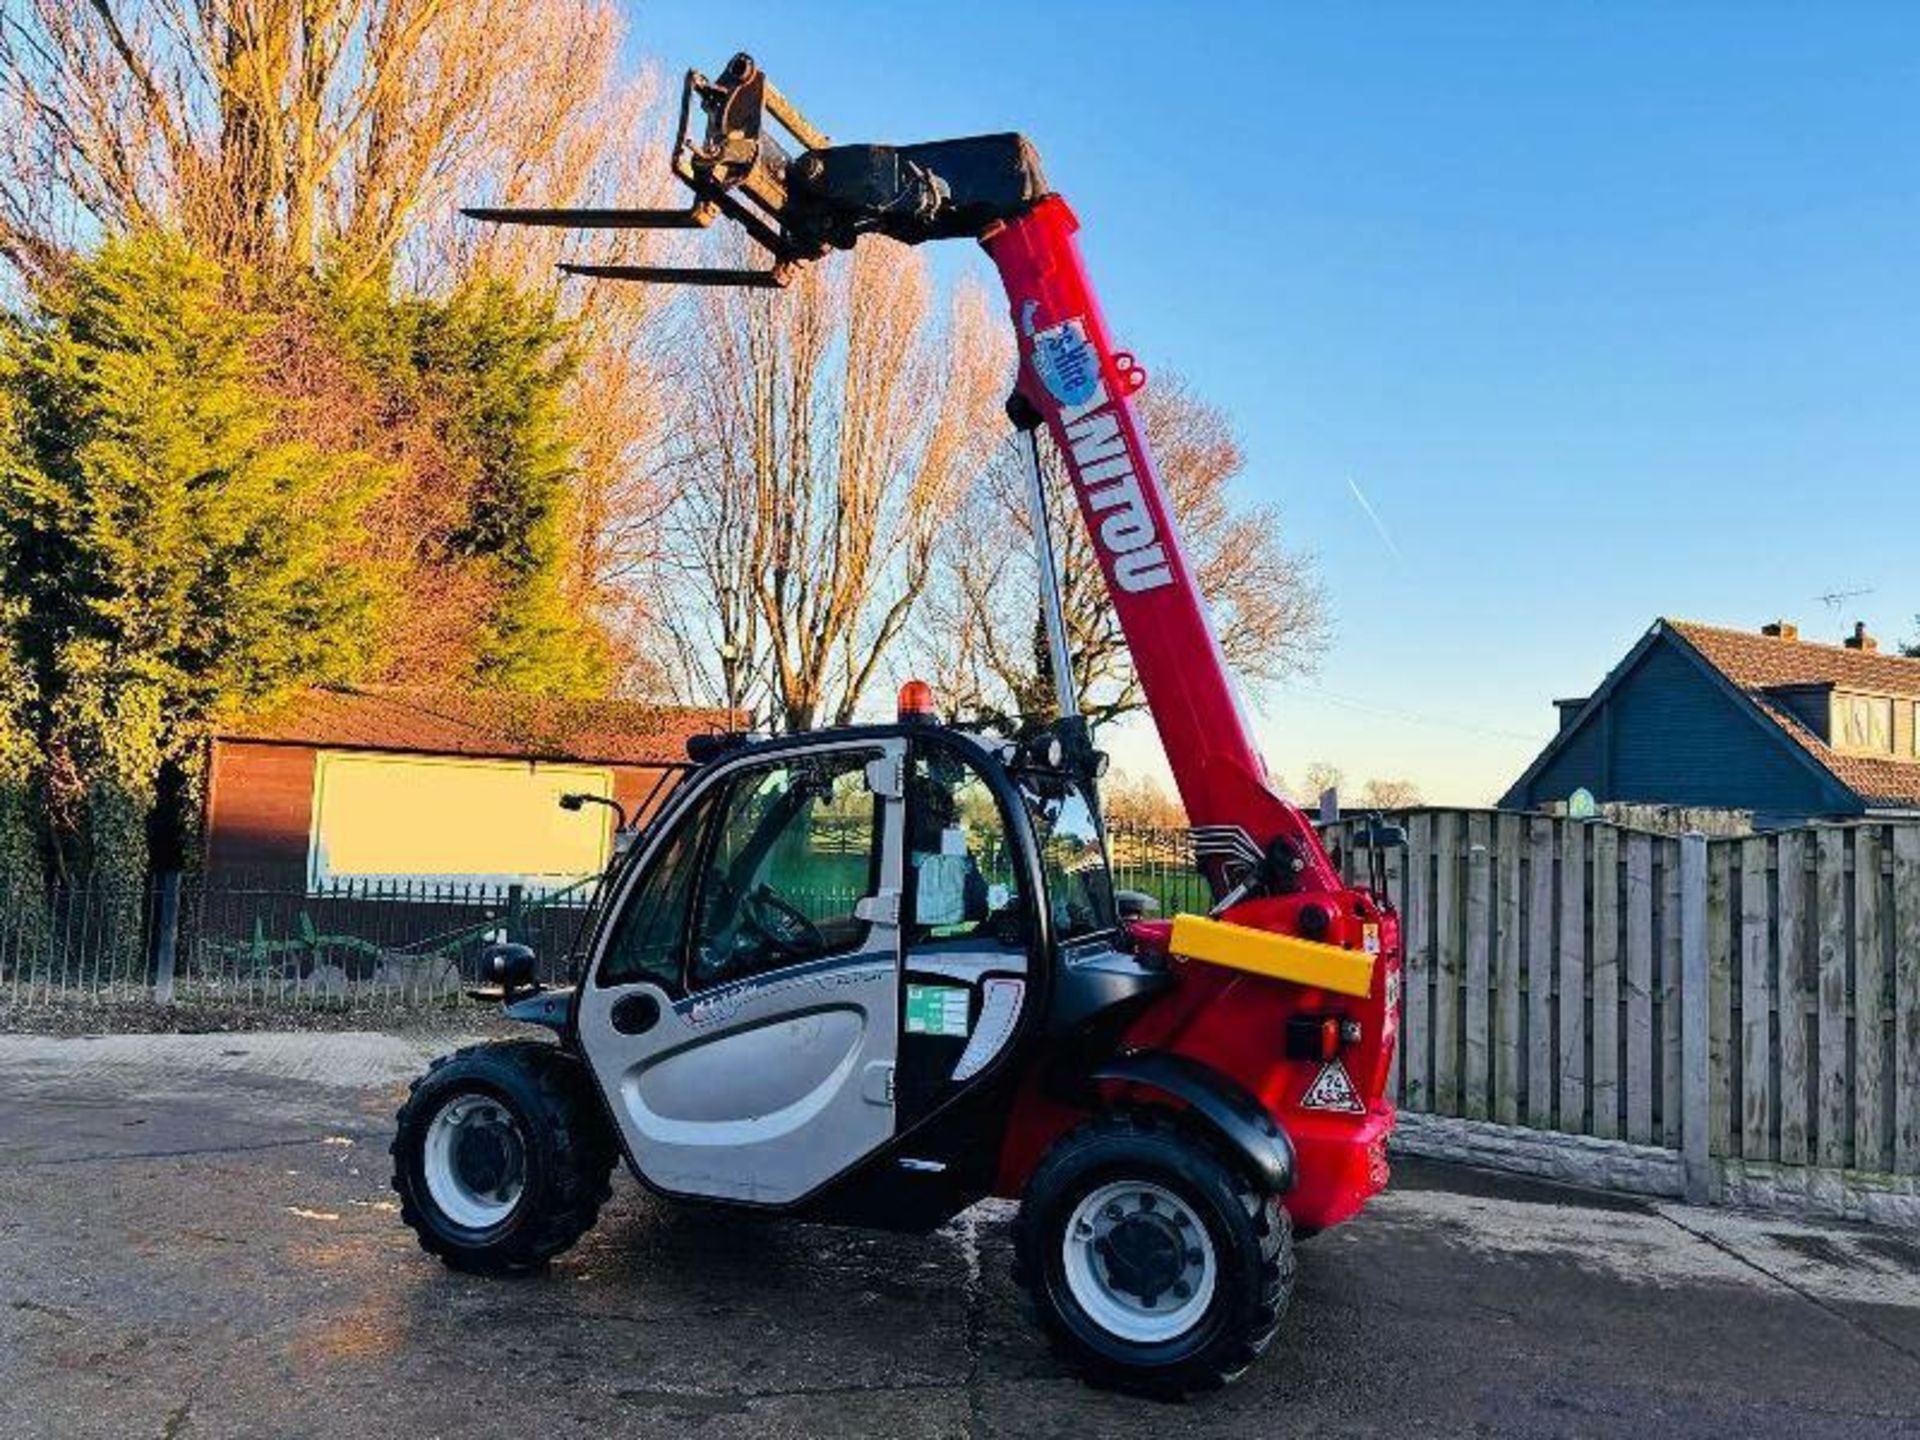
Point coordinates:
pixel 1236 1023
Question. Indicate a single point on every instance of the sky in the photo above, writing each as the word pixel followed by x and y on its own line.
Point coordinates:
pixel 1609 312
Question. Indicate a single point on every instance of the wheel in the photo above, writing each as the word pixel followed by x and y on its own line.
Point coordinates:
pixel 1155 1265
pixel 501 1157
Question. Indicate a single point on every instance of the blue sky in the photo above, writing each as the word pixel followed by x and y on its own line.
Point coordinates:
pixel 1611 311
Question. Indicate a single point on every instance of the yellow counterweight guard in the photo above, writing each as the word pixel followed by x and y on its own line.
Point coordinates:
pixel 1284 957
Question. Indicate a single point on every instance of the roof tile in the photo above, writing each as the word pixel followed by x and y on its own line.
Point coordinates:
pixel 616 732
pixel 1760 663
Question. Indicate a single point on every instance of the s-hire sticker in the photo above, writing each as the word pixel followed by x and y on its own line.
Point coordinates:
pixel 1332 1089
pixel 1370 938
pixel 1064 359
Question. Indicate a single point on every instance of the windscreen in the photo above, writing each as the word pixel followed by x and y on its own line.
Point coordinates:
pixel 1073 853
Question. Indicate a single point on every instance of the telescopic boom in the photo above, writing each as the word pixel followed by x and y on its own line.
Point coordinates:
pixel 798 204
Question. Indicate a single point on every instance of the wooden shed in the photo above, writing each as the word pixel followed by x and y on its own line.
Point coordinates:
pixel 389 786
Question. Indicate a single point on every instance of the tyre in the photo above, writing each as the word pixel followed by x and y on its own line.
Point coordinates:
pixel 501 1157
pixel 1155 1264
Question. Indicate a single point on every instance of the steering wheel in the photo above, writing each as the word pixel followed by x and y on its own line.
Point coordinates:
pixel 781 923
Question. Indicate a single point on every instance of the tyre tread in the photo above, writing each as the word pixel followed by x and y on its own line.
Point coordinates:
pixel 583 1155
pixel 1214 1367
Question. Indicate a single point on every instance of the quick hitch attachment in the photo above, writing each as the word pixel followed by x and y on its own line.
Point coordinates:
pixel 800 196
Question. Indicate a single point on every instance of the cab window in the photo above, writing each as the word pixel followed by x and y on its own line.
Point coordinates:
pixel 962 875
pixel 796 851
pixel 649 939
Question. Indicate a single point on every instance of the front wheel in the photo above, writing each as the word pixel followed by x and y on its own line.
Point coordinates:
pixel 1155 1265
pixel 501 1157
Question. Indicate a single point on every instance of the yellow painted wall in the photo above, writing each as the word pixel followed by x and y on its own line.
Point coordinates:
pixel 409 817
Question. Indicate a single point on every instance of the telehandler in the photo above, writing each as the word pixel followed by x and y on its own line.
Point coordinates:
pixel 874 974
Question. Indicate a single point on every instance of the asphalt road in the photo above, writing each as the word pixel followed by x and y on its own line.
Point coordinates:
pixel 196 1239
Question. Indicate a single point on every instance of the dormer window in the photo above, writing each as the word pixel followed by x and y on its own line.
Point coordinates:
pixel 1863 723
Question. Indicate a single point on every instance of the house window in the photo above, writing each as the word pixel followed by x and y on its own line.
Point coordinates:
pixel 1866 723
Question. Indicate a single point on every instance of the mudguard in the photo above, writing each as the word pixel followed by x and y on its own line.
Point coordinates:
pixel 1225 1107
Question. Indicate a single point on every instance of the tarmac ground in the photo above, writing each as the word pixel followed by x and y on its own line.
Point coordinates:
pixel 197 1239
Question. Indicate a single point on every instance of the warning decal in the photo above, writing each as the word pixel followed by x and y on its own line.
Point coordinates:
pixel 1332 1089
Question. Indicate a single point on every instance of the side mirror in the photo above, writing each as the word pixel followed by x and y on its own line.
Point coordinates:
pixel 1135 904
pixel 1380 835
pixel 508 965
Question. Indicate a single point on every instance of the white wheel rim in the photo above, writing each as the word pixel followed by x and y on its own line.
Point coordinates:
pixel 1140 1217
pixel 475 1161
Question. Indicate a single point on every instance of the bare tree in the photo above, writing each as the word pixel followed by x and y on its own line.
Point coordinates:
pixel 983 624
pixel 1389 795
pixel 288 132
pixel 821 446
pixel 1321 776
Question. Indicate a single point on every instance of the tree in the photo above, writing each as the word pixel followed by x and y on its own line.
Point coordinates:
pixel 1912 647
pixel 329 141
pixel 23 910
pixel 21 754
pixel 172 559
pixel 821 445
pixel 1142 801
pixel 1321 777
pixel 501 362
pixel 1380 794
pixel 274 134
pixel 984 629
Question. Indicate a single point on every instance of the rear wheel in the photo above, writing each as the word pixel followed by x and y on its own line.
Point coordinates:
pixel 501 1158
pixel 1155 1264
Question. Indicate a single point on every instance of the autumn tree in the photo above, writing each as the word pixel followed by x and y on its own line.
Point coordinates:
pixel 1141 800
pixel 983 630
pixel 822 442
pixel 464 397
pixel 323 145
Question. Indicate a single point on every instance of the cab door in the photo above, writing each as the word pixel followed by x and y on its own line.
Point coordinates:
pixel 741 1009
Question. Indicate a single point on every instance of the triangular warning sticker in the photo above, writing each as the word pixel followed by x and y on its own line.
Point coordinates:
pixel 1332 1089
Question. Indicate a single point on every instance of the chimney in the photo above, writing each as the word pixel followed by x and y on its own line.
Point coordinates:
pixel 1860 640
pixel 1781 630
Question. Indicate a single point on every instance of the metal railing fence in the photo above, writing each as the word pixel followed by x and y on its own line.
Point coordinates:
pixel 264 942
pixel 270 941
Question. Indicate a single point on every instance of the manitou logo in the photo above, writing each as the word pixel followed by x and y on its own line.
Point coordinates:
pixel 1098 454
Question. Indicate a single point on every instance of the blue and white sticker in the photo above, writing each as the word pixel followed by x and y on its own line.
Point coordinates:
pixel 1065 361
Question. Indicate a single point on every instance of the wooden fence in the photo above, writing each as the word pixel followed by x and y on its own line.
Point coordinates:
pixel 1553 967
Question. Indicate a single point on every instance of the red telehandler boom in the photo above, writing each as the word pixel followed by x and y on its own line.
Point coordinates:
pixel 1172 1101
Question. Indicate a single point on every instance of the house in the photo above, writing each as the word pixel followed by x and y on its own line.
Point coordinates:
pixel 1761 721
pixel 402 787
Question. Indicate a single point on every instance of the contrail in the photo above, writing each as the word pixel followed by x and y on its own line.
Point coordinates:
pixel 1374 516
